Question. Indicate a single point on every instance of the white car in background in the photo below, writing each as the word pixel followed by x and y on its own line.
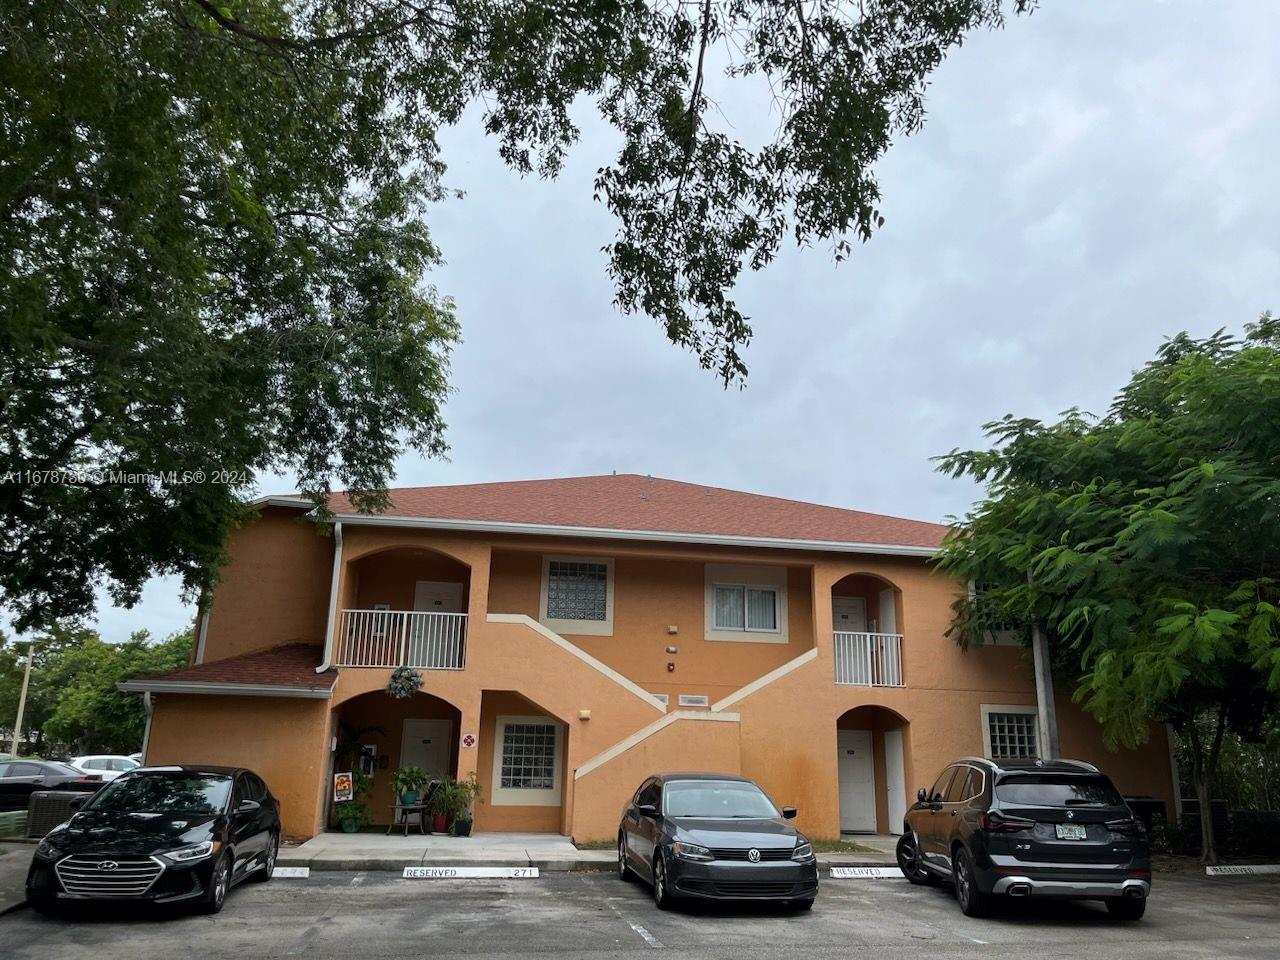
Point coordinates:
pixel 105 765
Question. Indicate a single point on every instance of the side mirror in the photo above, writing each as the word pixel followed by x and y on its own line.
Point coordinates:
pixel 788 813
pixel 75 803
pixel 248 806
pixel 922 795
pixel 647 810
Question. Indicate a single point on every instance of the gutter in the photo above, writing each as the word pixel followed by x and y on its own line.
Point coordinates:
pixel 224 689
pixel 326 662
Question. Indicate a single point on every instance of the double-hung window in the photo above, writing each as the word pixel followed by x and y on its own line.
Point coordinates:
pixel 745 607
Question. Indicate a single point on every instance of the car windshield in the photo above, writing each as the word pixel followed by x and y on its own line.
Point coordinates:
pixel 61 769
pixel 716 799
pixel 1045 790
pixel 187 793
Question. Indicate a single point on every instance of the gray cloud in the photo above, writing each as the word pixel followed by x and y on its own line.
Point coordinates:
pixel 1090 179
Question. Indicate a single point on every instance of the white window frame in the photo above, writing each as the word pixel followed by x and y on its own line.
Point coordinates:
pixel 989 708
pixel 584 628
pixel 662 698
pixel 745 577
pixel 694 700
pixel 501 796
pixel 380 624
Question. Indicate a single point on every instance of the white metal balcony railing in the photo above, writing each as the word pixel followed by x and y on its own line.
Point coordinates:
pixel 869 659
pixel 402 638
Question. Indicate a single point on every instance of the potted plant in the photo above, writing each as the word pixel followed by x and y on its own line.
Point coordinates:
pixel 440 804
pixel 463 797
pixel 407 782
pixel 353 814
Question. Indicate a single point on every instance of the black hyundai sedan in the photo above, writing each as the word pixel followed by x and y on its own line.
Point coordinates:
pixel 164 835
pixel 712 836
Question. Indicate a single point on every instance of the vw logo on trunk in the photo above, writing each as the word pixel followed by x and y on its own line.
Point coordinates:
pixel 753 855
pixel 108 865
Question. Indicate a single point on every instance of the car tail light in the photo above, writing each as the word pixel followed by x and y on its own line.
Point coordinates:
pixel 1127 828
pixel 997 822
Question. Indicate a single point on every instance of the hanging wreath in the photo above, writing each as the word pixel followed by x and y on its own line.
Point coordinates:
pixel 404 683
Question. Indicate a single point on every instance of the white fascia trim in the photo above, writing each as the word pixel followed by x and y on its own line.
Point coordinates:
pixel 604 533
pixel 581 654
pixel 224 689
pixel 281 501
pixel 644 733
pixel 742 693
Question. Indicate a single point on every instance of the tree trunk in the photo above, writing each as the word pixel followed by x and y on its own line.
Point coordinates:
pixel 1204 772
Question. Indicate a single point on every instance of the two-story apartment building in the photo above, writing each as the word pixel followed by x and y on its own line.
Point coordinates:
pixel 575 635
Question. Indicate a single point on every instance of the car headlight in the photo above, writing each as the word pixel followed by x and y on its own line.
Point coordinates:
pixel 47 850
pixel 690 851
pixel 196 851
pixel 803 851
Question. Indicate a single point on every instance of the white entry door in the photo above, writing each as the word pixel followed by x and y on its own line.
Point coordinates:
pixel 848 614
pixel 427 744
pixel 857 781
pixel 437 596
pixel 895 779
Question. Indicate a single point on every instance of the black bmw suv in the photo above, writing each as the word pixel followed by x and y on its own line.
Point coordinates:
pixel 164 835
pixel 1028 829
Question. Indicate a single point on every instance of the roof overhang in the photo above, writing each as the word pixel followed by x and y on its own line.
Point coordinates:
pixel 225 689
pixel 603 533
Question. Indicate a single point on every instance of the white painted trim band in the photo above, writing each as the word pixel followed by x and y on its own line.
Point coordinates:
pixel 608 533
pixel 644 733
pixel 581 654
pixel 807 657
pixel 224 689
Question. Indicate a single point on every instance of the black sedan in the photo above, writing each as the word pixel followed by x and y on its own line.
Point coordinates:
pixel 21 778
pixel 712 836
pixel 164 835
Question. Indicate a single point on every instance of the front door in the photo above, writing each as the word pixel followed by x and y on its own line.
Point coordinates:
pixel 436 642
pixel 427 744
pixel 857 782
pixel 849 614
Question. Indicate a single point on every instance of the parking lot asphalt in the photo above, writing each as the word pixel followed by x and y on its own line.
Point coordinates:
pixel 379 915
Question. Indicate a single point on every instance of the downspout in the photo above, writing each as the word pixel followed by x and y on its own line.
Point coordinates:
pixel 148 705
pixel 204 626
pixel 327 662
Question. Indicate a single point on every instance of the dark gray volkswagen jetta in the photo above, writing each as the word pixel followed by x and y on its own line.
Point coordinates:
pixel 713 836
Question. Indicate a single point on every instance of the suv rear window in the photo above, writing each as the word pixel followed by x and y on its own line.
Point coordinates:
pixel 1049 790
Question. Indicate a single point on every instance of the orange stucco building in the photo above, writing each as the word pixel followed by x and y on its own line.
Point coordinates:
pixel 576 635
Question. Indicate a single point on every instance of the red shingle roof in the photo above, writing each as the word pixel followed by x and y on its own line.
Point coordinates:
pixel 291 665
pixel 635 503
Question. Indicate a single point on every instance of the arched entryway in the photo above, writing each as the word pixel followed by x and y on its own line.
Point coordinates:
pixel 872 749
pixel 866 621
pixel 379 734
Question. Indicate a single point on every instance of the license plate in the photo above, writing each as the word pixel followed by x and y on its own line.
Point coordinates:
pixel 1070 831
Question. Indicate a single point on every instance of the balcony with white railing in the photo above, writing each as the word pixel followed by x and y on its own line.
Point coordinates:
pixel 869 659
pixel 423 640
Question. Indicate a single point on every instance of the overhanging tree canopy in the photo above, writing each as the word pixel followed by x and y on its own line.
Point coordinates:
pixel 1146 542
pixel 212 244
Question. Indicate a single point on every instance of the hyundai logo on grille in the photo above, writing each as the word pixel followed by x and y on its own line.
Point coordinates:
pixel 108 865
pixel 753 855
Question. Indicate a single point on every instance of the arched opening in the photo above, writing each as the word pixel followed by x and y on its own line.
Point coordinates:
pixel 404 606
pixel 866 619
pixel 379 734
pixel 873 748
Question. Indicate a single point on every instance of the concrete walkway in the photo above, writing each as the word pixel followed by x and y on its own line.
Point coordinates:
pixel 547 851
pixel 15 860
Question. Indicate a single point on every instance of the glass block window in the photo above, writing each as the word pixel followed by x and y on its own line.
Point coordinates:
pixel 577 590
pixel 1013 736
pixel 746 608
pixel 529 756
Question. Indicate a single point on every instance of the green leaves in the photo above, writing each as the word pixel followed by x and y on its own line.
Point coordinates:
pixel 1149 535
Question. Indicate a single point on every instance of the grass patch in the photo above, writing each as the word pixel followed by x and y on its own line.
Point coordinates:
pixel 594 845
pixel 840 846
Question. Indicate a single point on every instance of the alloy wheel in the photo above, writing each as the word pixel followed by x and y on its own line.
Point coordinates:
pixel 963 880
pixel 659 882
pixel 622 857
pixel 220 883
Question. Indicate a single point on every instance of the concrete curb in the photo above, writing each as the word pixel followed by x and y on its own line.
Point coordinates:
pixel 582 864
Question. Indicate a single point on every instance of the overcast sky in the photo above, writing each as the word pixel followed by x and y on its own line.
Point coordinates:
pixel 1089 180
